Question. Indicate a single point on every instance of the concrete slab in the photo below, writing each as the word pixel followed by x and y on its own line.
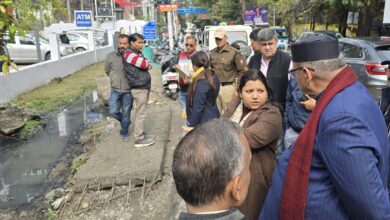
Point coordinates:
pixel 117 161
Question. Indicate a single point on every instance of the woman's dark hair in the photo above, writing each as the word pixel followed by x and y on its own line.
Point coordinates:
pixel 201 59
pixel 253 75
pixel 135 37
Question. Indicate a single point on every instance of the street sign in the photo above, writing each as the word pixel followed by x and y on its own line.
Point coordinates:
pixel 192 11
pixel 83 18
pixel 150 31
pixel 166 1
pixel 167 7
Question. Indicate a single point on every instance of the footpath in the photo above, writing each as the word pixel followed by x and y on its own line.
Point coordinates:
pixel 119 181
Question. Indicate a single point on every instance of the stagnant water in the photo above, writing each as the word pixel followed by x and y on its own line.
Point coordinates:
pixel 25 165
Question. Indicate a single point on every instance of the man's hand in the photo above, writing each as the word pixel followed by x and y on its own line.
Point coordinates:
pixel 186 129
pixel 309 104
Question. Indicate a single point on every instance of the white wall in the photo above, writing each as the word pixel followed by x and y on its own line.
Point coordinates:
pixel 40 74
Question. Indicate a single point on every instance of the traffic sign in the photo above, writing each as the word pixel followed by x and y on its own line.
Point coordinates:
pixel 83 18
pixel 150 31
pixel 192 11
pixel 167 7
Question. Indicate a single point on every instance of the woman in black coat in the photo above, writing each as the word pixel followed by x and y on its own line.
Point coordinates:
pixel 202 93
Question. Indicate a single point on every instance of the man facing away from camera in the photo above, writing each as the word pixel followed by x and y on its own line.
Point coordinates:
pixel 211 171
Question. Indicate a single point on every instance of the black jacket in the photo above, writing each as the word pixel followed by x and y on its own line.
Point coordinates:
pixel 138 78
pixel 277 75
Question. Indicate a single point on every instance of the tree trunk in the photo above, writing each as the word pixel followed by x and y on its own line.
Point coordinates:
pixel 343 22
pixel 313 23
pixel 365 21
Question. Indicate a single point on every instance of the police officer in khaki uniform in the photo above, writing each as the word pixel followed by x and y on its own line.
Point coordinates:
pixel 228 65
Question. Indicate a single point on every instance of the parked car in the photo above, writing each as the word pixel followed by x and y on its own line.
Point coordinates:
pixel 99 35
pixel 78 40
pixel 365 57
pixel 24 50
pixel 283 38
pixel 325 32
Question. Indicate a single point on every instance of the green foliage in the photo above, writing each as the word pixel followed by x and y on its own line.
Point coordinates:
pixel 77 163
pixel 60 93
pixel 51 214
pixel 21 16
pixel 226 11
pixel 29 128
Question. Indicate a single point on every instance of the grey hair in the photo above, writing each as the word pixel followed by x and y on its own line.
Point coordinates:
pixel 324 67
pixel 205 161
pixel 266 34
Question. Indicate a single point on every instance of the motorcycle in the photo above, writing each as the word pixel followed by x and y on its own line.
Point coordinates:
pixel 169 77
pixel 160 52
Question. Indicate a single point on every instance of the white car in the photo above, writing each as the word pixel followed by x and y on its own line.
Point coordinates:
pixel 236 34
pixel 78 40
pixel 24 50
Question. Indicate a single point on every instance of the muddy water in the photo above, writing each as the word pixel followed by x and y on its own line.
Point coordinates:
pixel 25 165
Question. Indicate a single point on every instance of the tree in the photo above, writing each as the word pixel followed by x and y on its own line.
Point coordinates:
pixel 20 16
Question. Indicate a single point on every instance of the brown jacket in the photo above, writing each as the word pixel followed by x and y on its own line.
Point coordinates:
pixel 262 129
pixel 227 63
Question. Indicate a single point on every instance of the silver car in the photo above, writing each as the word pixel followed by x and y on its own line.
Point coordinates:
pixel 99 35
pixel 365 57
pixel 79 41
pixel 24 50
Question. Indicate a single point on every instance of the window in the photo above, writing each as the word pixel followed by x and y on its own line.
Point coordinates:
pixel 351 51
pixel 73 37
pixel 237 35
pixel 383 52
pixel 8 40
pixel 27 40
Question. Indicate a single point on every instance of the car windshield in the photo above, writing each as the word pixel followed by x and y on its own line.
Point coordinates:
pixel 237 35
pixel 383 52
pixel 282 33
pixel 43 40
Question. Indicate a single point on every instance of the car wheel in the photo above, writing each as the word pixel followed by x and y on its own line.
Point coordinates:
pixel 80 49
pixel 47 56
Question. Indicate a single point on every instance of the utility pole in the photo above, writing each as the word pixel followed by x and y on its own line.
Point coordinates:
pixel 274 13
pixel 81 5
pixel 243 10
pixel 68 9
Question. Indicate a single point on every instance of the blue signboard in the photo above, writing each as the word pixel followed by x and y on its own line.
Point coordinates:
pixel 83 18
pixel 150 31
pixel 192 11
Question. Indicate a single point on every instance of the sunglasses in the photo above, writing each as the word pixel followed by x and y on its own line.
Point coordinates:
pixel 189 45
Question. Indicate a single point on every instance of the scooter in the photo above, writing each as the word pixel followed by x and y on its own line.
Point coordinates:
pixel 169 77
pixel 170 83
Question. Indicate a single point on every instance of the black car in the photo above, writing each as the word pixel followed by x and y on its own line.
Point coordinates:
pixel 365 57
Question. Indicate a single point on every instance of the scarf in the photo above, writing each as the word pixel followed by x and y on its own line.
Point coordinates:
pixel 294 193
pixel 236 117
pixel 197 72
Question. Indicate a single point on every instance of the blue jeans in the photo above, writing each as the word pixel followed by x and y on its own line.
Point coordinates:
pixel 120 104
pixel 183 100
pixel 290 137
